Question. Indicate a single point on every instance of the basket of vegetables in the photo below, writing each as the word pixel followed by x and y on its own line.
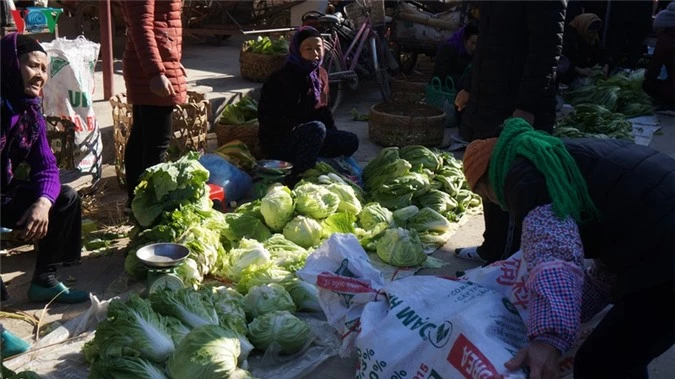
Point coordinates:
pixel 401 124
pixel 239 121
pixel 261 57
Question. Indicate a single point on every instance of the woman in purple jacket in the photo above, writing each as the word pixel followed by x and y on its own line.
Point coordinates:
pixel 38 208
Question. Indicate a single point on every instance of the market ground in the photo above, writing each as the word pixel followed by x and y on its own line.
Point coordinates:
pixel 214 70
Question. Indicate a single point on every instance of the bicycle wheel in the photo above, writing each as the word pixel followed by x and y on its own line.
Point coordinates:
pixel 332 63
pixel 381 67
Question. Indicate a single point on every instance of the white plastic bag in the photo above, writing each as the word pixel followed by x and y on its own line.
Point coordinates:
pixel 420 326
pixel 69 94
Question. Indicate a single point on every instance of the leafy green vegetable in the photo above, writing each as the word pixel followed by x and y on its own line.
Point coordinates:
pixel 401 248
pixel 208 351
pixel 249 252
pixel 431 226
pixel 349 202
pixel 132 329
pixel 258 275
pixel 243 112
pixel 401 216
pixel 421 156
pixel 303 231
pixel 341 222
pixel 125 368
pixel 277 207
pixel 315 201
pixel 240 225
pixel 190 307
pixel 373 214
pixel 589 120
pixel 280 328
pixel 267 298
pixel 305 295
pixel 267 46
pixel 166 186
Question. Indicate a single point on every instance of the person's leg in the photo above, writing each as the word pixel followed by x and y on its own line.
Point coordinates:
pixel 501 237
pixel 158 124
pixel 133 152
pixel 339 143
pixel 61 245
pixel 639 328
pixel 309 139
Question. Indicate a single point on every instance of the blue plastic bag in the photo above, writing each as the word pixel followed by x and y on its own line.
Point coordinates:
pixel 235 182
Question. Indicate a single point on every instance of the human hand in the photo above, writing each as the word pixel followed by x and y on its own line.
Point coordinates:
pixel 161 86
pixel 525 115
pixel 35 221
pixel 542 359
pixel 461 100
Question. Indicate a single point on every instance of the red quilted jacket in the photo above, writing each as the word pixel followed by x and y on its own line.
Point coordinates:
pixel 154 46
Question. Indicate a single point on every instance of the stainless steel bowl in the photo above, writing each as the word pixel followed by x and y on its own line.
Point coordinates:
pixel 162 255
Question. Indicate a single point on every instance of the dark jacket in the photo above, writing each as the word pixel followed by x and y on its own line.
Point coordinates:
pixel 580 53
pixel 286 101
pixel 154 47
pixel 449 62
pixel 633 188
pixel 514 65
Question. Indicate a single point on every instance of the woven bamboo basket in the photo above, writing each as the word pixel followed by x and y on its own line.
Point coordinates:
pixel 396 124
pixel 190 127
pixel 61 137
pixel 246 133
pixel 258 67
pixel 407 91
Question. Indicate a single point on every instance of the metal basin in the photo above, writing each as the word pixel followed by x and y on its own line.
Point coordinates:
pixel 162 255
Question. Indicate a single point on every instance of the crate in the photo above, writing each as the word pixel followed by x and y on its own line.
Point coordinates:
pixel 190 128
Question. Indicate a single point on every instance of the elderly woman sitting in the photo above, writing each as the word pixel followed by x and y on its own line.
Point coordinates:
pixel 39 209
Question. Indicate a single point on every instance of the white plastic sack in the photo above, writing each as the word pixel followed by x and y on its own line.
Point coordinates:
pixel 420 326
pixel 69 94
pixel 508 277
pixel 408 30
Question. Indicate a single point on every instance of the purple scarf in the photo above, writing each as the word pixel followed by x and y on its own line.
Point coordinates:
pixel 457 41
pixel 306 67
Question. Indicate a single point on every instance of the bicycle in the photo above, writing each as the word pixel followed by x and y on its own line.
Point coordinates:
pixel 343 66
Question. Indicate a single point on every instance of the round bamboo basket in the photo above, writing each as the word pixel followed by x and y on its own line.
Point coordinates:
pixel 258 67
pixel 190 124
pixel 406 91
pixel 397 124
pixel 246 133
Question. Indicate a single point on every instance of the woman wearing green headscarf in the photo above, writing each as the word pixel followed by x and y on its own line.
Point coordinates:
pixel 609 201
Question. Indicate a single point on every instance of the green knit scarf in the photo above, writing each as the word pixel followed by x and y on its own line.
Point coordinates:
pixel 566 185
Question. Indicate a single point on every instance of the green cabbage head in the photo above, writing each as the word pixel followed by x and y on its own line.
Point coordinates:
pixel 277 207
pixel 401 248
pixel 208 351
pixel 281 328
pixel 315 201
pixel 304 231
pixel 267 298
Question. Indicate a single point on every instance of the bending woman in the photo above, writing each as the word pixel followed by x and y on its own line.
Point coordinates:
pixel 606 200
pixel 39 208
pixel 296 124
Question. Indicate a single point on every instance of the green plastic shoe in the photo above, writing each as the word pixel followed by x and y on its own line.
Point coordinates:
pixel 38 294
pixel 12 345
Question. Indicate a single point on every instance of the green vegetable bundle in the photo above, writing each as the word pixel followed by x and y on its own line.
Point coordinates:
pixel 267 46
pixel 621 93
pixel 243 112
pixel 589 120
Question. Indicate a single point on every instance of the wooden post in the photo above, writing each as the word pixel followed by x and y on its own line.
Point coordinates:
pixel 105 15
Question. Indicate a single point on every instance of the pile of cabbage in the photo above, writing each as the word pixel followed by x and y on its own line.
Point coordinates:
pixel 205 333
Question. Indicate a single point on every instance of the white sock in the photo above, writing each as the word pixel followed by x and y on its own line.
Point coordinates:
pixel 469 253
